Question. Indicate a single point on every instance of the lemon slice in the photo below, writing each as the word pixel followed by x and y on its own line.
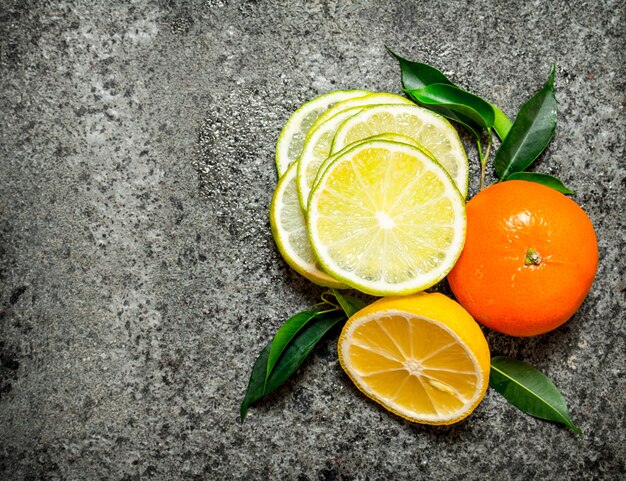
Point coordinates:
pixel 291 234
pixel 429 129
pixel 376 98
pixel 291 138
pixel 316 149
pixel 422 357
pixel 386 219
pixel 393 137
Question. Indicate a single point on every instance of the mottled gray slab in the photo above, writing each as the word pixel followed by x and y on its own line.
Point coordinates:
pixel 138 274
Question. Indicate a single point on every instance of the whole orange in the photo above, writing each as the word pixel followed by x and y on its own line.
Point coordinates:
pixel 529 259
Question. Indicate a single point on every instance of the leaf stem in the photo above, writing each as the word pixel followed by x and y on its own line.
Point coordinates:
pixel 325 300
pixel 482 164
pixel 484 157
pixel 489 143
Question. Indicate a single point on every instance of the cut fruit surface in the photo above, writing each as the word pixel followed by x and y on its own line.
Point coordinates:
pixel 386 219
pixel 315 151
pixel 375 98
pixel 392 137
pixel 291 138
pixel 429 129
pixel 291 234
pixel 422 357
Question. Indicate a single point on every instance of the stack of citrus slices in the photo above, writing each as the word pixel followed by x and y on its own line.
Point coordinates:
pixel 371 193
pixel 371 196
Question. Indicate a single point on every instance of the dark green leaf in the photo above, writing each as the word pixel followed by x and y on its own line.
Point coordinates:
pixel 530 133
pixel 350 304
pixel 539 178
pixel 457 100
pixel 529 390
pixel 256 383
pixel 416 75
pixel 291 359
pixel 284 335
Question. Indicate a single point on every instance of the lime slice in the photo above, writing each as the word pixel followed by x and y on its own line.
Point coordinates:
pixel 291 234
pixel 391 137
pixel 428 128
pixel 371 99
pixel 316 150
pixel 291 138
pixel 386 219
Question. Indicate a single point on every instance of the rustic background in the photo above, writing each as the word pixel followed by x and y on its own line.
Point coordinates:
pixel 138 274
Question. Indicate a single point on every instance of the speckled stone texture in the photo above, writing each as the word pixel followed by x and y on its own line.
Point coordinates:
pixel 139 279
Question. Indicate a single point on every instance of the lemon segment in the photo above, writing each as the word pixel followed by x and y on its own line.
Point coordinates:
pixel 291 138
pixel 386 219
pixel 422 357
pixel 290 232
pixel 429 129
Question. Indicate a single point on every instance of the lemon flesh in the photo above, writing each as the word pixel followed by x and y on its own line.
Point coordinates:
pixel 429 129
pixel 422 357
pixel 386 219
pixel 316 150
pixel 291 234
pixel 291 138
pixel 391 137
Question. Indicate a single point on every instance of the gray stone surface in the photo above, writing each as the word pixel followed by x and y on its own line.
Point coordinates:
pixel 138 274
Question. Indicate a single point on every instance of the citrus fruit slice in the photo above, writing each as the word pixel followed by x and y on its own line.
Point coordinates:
pixel 315 151
pixel 291 234
pixel 386 219
pixel 428 128
pixel 376 98
pixel 291 138
pixel 392 137
pixel 422 357
pixel 537 246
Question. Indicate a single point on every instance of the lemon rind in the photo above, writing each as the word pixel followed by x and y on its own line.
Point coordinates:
pixel 292 125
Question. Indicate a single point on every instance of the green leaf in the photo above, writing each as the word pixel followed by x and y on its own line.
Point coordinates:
pixel 416 75
pixel 350 304
pixel 544 179
pixel 530 133
pixel 501 123
pixel 284 335
pixel 291 359
pixel 529 390
pixel 456 100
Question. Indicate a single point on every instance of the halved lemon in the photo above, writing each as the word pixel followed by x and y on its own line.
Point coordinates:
pixel 291 234
pixel 386 219
pixel 429 129
pixel 291 138
pixel 423 357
